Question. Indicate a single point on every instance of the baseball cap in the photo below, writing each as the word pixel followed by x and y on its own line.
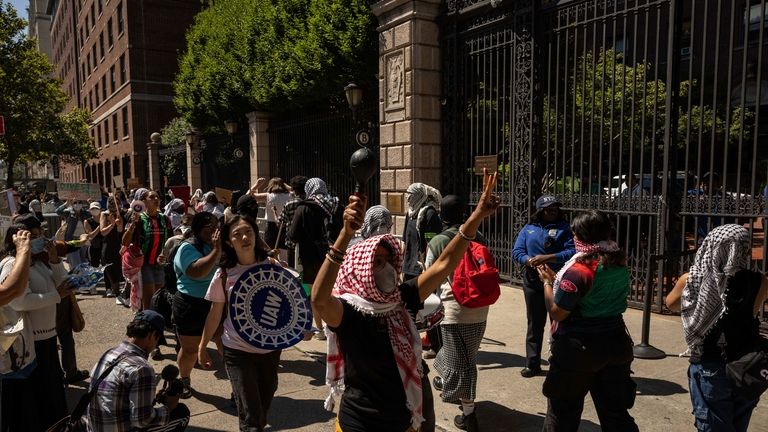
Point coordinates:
pixel 153 318
pixel 94 205
pixel 545 201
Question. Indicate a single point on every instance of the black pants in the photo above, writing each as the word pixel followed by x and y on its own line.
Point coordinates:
pixel 94 253
pixel 66 336
pixel 254 383
pixel 428 403
pixel 37 402
pixel 177 422
pixel 113 274
pixel 536 312
pixel 598 364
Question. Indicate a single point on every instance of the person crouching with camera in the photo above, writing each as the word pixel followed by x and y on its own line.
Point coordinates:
pixel 126 399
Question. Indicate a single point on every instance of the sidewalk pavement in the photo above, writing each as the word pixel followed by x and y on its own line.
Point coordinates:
pixel 506 401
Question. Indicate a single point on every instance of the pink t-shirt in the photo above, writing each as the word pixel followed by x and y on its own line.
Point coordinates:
pixel 215 294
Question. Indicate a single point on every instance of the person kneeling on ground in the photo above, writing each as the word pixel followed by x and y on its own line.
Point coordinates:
pixel 125 399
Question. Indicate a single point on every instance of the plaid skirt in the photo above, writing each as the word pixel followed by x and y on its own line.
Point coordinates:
pixel 456 362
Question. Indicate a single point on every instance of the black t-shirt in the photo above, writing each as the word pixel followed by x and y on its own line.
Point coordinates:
pixel 738 331
pixel 374 398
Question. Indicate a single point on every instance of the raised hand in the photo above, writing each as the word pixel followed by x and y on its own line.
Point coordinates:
pixel 22 239
pixel 354 215
pixel 489 202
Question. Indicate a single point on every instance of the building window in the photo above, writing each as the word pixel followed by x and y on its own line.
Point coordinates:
pixel 93 56
pixel 122 69
pixel 120 20
pixel 96 90
pixel 104 87
pixel 101 44
pixel 114 126
pixel 110 38
pixel 106 131
pixel 98 134
pixel 125 121
pixel 101 6
pixel 93 16
pixel 113 84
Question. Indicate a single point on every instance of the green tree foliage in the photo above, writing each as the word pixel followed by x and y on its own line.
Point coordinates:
pixel 273 55
pixel 173 134
pixel 32 103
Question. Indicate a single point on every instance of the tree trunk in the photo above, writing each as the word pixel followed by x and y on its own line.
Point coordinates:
pixel 9 177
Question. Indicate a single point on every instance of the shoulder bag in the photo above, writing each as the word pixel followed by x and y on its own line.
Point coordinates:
pixel 72 422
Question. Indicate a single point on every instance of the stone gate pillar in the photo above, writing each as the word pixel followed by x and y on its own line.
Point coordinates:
pixel 409 99
pixel 258 123
pixel 194 162
pixel 153 154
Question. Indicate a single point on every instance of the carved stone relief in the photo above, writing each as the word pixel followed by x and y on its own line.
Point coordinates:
pixel 395 81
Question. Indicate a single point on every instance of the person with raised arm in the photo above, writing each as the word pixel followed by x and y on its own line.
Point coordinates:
pixel 374 350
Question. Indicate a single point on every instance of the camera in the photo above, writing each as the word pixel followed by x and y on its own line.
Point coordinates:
pixel 172 385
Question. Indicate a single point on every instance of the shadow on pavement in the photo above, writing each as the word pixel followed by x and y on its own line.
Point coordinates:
pixel 308 368
pixel 74 392
pixel 222 403
pixel 287 413
pixel 494 417
pixel 487 360
pixel 657 387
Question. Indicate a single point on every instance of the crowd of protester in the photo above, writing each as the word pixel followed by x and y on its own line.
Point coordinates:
pixel 175 264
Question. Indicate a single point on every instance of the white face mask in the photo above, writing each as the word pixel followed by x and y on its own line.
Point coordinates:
pixel 386 279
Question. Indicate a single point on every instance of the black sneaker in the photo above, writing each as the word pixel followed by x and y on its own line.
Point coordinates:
pixel 530 372
pixel 156 354
pixel 466 422
pixel 437 382
pixel 187 392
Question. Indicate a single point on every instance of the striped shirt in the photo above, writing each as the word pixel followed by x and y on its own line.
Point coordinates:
pixel 124 399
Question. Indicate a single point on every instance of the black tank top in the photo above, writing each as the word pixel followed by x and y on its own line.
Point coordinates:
pixel 738 330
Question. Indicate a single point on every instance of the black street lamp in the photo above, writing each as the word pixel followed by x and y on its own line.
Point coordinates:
pixel 354 94
pixel 193 139
pixel 231 127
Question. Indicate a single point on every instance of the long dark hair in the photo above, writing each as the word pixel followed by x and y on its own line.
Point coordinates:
pixel 594 226
pixel 228 254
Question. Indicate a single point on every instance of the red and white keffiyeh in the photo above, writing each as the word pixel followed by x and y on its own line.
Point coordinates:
pixel 355 284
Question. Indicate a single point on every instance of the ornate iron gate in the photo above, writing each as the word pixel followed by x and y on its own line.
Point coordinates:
pixel 319 145
pixel 617 105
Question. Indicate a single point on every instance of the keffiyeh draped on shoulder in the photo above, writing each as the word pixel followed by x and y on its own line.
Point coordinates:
pixel 355 284
pixel 317 191
pixel 725 251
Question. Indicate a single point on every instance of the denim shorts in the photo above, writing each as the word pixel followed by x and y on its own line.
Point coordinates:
pixel 716 405
pixel 153 274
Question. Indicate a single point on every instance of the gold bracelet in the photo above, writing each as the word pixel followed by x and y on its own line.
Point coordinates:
pixel 338 252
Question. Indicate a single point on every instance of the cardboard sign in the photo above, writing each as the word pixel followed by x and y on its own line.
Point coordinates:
pixel 118 182
pixel 224 195
pixel 491 162
pixel 79 191
pixel 8 203
pixel 134 183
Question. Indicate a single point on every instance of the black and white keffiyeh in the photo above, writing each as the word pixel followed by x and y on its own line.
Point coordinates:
pixel 378 221
pixel 725 251
pixel 317 191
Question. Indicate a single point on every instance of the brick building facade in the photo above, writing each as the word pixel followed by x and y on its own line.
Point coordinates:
pixel 125 58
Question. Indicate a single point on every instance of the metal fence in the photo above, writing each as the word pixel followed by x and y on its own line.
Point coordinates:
pixel 319 145
pixel 647 109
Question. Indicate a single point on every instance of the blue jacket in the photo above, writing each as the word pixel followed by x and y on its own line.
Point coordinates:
pixel 532 238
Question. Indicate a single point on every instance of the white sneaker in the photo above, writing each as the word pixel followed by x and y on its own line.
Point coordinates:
pixel 92 291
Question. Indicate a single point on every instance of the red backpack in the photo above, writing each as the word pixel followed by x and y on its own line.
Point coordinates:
pixel 476 278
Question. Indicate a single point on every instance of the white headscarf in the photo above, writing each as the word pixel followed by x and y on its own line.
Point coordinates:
pixel 169 212
pixel 420 198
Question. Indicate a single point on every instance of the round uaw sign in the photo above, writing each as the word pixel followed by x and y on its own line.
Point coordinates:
pixel 269 308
